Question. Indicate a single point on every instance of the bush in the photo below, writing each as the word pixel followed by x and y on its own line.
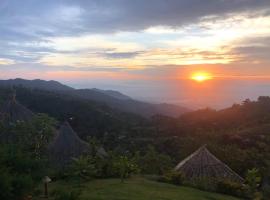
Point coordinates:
pixel 173 177
pixel 14 186
pixel 266 192
pixel 205 183
pixel 22 185
pixel 231 188
pixel 5 185
pixel 253 180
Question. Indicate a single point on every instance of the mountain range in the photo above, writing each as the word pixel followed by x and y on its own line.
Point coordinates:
pixel 111 98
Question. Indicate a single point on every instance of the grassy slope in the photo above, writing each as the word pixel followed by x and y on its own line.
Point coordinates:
pixel 139 189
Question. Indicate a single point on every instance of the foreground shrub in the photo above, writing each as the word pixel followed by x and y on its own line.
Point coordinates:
pixel 22 185
pixel 266 192
pixel 253 180
pixel 5 185
pixel 208 184
pixel 173 177
pixel 14 186
pixel 231 188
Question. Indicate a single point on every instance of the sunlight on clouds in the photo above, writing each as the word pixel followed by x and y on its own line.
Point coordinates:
pixel 163 30
pixel 188 56
pixel 4 61
pixel 214 35
pixel 239 26
pixel 91 42
pixel 86 60
pixel 209 42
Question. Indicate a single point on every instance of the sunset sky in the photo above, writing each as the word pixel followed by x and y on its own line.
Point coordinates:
pixel 148 49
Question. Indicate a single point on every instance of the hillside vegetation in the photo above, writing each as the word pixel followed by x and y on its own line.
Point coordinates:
pixel 239 136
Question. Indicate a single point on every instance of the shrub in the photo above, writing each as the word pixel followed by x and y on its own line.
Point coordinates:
pixel 253 181
pixel 22 185
pixel 229 187
pixel 173 177
pixel 205 183
pixel 5 185
pixel 266 192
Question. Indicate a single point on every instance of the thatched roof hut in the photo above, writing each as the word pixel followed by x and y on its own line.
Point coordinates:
pixel 203 164
pixel 13 112
pixel 67 145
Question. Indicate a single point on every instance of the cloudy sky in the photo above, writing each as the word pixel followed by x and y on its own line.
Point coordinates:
pixel 146 49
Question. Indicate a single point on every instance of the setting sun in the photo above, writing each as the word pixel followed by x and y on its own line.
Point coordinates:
pixel 201 76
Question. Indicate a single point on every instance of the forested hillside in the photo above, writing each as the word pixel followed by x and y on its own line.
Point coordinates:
pixel 89 118
pixel 113 99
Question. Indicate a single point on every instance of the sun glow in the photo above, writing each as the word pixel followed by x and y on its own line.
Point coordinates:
pixel 201 76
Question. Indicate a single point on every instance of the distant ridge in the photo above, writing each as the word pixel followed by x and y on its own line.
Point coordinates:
pixel 36 84
pixel 113 99
pixel 113 93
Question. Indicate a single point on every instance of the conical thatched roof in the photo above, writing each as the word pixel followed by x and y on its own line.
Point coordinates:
pixel 67 145
pixel 12 111
pixel 203 164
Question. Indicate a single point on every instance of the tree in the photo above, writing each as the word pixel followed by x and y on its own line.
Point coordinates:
pixel 83 168
pixel 124 167
pixel 18 172
pixel 155 163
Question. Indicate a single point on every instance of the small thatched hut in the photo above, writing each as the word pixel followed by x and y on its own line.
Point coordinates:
pixel 13 112
pixel 203 164
pixel 67 145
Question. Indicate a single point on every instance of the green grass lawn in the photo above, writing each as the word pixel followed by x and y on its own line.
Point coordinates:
pixel 138 189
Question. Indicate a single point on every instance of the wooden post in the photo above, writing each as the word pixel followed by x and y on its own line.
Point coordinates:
pixel 46 190
pixel 46 180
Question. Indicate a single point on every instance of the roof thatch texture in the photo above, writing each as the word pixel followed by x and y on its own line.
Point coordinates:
pixel 203 164
pixel 13 112
pixel 67 145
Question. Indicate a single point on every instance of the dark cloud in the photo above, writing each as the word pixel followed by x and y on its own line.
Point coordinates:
pixel 114 15
pixel 31 18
